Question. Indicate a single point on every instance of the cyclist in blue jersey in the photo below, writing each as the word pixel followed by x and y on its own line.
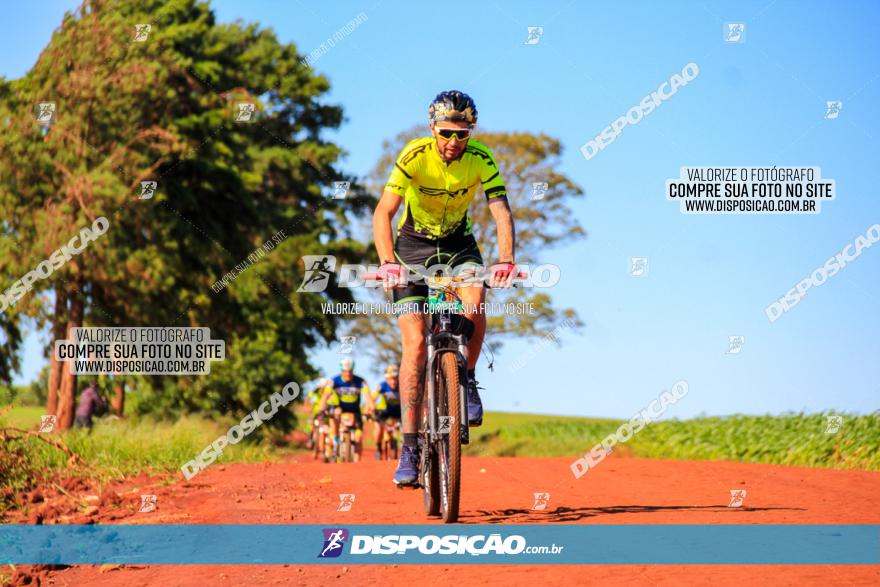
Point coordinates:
pixel 344 393
pixel 386 398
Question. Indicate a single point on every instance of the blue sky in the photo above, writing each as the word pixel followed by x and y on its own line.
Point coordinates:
pixel 759 103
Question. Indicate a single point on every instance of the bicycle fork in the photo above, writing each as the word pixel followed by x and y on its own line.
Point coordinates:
pixel 462 391
pixel 431 392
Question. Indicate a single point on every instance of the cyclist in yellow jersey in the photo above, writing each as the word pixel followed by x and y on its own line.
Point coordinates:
pixel 313 404
pixel 436 178
pixel 313 399
pixel 386 400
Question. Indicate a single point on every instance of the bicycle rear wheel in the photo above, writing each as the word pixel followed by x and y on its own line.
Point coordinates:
pixel 449 400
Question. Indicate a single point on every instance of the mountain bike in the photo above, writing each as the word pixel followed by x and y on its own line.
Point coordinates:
pixel 390 437
pixel 444 425
pixel 345 444
pixel 322 445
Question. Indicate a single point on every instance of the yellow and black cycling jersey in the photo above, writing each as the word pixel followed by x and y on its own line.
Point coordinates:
pixel 314 399
pixel 436 194
pixel 386 400
pixel 386 397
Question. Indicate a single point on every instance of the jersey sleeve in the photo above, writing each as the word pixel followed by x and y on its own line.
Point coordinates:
pixel 493 184
pixel 402 173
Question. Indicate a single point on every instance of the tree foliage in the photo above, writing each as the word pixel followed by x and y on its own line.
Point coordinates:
pixel 164 110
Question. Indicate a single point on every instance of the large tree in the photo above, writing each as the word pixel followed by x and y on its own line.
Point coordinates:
pixel 165 109
pixel 543 220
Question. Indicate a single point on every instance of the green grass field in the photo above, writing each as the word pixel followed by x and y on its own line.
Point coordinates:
pixel 788 439
pixel 115 448
pixel 22 417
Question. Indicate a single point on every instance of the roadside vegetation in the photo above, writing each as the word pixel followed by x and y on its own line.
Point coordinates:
pixel 118 448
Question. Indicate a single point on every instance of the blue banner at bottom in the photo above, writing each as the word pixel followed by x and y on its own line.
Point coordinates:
pixel 441 544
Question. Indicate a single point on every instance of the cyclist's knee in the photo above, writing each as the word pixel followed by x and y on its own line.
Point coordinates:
pixel 413 341
pixel 412 332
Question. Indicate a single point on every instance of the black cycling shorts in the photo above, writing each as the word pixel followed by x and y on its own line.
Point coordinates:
pixel 390 412
pixel 454 250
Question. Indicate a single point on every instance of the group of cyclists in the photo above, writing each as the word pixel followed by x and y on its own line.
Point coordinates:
pixel 348 393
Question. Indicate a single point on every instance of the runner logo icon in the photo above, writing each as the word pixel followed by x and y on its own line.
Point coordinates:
pixel 346 344
pixel 535 33
pixel 334 540
pixel 142 32
pixel 736 343
pixel 319 268
pixel 734 32
pixel 737 497
pixel 148 504
pixel 346 500
pixel 832 109
pixel 244 111
pixel 834 423
pixel 638 266
pixel 340 189
pixel 148 189
pixel 539 190
pixel 541 501
pixel 47 423
pixel 45 113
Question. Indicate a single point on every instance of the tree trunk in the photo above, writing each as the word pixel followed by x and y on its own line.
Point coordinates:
pixel 58 327
pixel 67 399
pixel 118 403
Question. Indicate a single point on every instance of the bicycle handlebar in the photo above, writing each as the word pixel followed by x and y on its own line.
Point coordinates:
pixel 375 277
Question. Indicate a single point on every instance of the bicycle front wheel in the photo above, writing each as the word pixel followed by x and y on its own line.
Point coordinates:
pixel 449 396
pixel 347 451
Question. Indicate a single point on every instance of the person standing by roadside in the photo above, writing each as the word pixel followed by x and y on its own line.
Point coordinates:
pixel 89 402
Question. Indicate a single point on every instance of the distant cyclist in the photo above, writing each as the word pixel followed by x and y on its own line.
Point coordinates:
pixel 343 394
pixel 387 401
pixel 436 178
pixel 313 405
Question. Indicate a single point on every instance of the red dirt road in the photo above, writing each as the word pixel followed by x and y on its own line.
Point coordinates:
pixel 500 490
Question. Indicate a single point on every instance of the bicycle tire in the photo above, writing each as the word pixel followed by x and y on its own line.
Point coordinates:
pixel 346 447
pixel 450 396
